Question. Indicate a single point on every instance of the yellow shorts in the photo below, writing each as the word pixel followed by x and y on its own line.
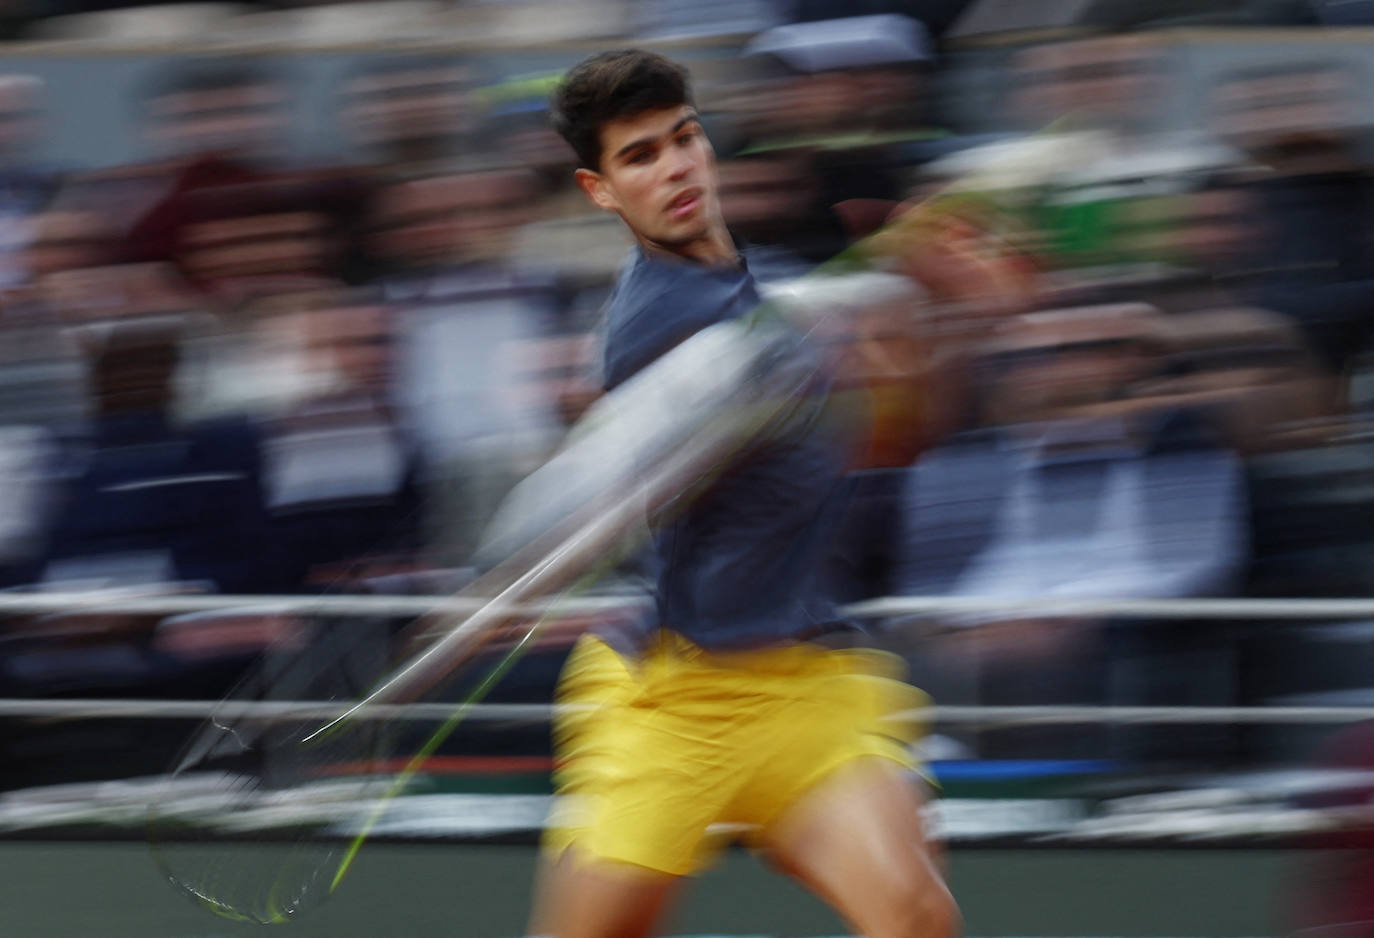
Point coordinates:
pixel 674 752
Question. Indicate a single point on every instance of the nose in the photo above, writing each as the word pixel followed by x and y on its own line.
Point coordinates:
pixel 680 165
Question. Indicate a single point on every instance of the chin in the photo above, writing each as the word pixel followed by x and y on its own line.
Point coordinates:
pixel 684 236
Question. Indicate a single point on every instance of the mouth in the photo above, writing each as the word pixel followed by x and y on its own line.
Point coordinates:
pixel 686 202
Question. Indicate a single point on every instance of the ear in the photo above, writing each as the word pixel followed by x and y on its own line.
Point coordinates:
pixel 594 185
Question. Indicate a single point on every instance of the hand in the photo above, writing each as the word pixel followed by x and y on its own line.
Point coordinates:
pixel 958 258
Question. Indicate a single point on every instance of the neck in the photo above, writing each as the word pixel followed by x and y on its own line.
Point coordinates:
pixel 715 248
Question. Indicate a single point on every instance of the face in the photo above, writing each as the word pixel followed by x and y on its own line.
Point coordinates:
pixel 65 240
pixel 1306 105
pixel 356 340
pixel 424 105
pixel 1106 81
pixel 276 243
pixel 1053 370
pixel 764 198
pixel 658 173
pixel 453 218
pixel 248 120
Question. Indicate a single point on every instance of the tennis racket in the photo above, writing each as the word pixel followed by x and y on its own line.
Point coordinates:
pixel 265 813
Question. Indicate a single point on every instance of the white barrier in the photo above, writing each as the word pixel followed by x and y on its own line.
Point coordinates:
pixel 125 601
pixel 352 606
pixel 98 709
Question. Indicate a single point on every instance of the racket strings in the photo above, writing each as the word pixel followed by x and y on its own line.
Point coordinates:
pixel 251 823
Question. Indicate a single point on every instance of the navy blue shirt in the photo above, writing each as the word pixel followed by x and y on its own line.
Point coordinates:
pixel 743 565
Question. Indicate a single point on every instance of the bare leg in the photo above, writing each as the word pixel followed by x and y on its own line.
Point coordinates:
pixel 857 842
pixel 580 898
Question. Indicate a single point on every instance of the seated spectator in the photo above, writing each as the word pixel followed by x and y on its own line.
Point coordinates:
pixel 773 200
pixel 1091 153
pixel 469 318
pixel 206 125
pixel 561 234
pixel 341 475
pixel 40 363
pixel 408 114
pixel 69 239
pixel 222 202
pixel 88 299
pixel 1299 122
pixel 242 239
pixel 153 501
pixel 517 131
pixel 1251 370
pixel 1194 249
pixel 853 93
pixel 426 228
pixel 255 360
pixel 1075 488
pixel 1071 489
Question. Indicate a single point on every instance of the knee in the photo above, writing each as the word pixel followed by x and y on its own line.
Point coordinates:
pixel 928 912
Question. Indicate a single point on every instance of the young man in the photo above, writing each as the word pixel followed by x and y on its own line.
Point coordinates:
pixel 738 708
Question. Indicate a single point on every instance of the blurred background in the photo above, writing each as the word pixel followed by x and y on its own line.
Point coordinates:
pixel 291 294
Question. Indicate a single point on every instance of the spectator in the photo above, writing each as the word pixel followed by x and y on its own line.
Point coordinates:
pixel 1061 405
pixel 471 321
pixel 224 205
pixel 244 239
pixel 1074 487
pixel 562 234
pixel 850 92
pixel 774 200
pixel 519 134
pixel 208 125
pixel 41 367
pixel 256 361
pixel 152 501
pixel 1314 260
pixel 429 226
pixel 409 114
pixel 1251 370
pixel 341 469
pixel 1091 151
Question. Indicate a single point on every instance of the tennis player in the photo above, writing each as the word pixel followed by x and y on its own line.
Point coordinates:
pixel 744 710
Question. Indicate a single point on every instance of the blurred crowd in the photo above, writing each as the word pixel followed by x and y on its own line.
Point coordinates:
pixel 224 371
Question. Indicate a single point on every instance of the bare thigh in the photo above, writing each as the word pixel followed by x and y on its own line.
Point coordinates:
pixel 578 897
pixel 858 842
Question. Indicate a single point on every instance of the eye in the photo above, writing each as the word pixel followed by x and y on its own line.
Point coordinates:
pixel 640 157
pixel 686 137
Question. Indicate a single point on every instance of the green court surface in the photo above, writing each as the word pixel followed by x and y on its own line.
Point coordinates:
pixel 86 889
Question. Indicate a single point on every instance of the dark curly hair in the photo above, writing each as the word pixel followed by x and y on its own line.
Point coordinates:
pixel 611 86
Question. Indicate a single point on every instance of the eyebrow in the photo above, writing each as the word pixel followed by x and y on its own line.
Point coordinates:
pixel 645 141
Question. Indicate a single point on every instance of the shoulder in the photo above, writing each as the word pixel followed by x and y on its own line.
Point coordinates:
pixel 638 287
pixel 657 304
